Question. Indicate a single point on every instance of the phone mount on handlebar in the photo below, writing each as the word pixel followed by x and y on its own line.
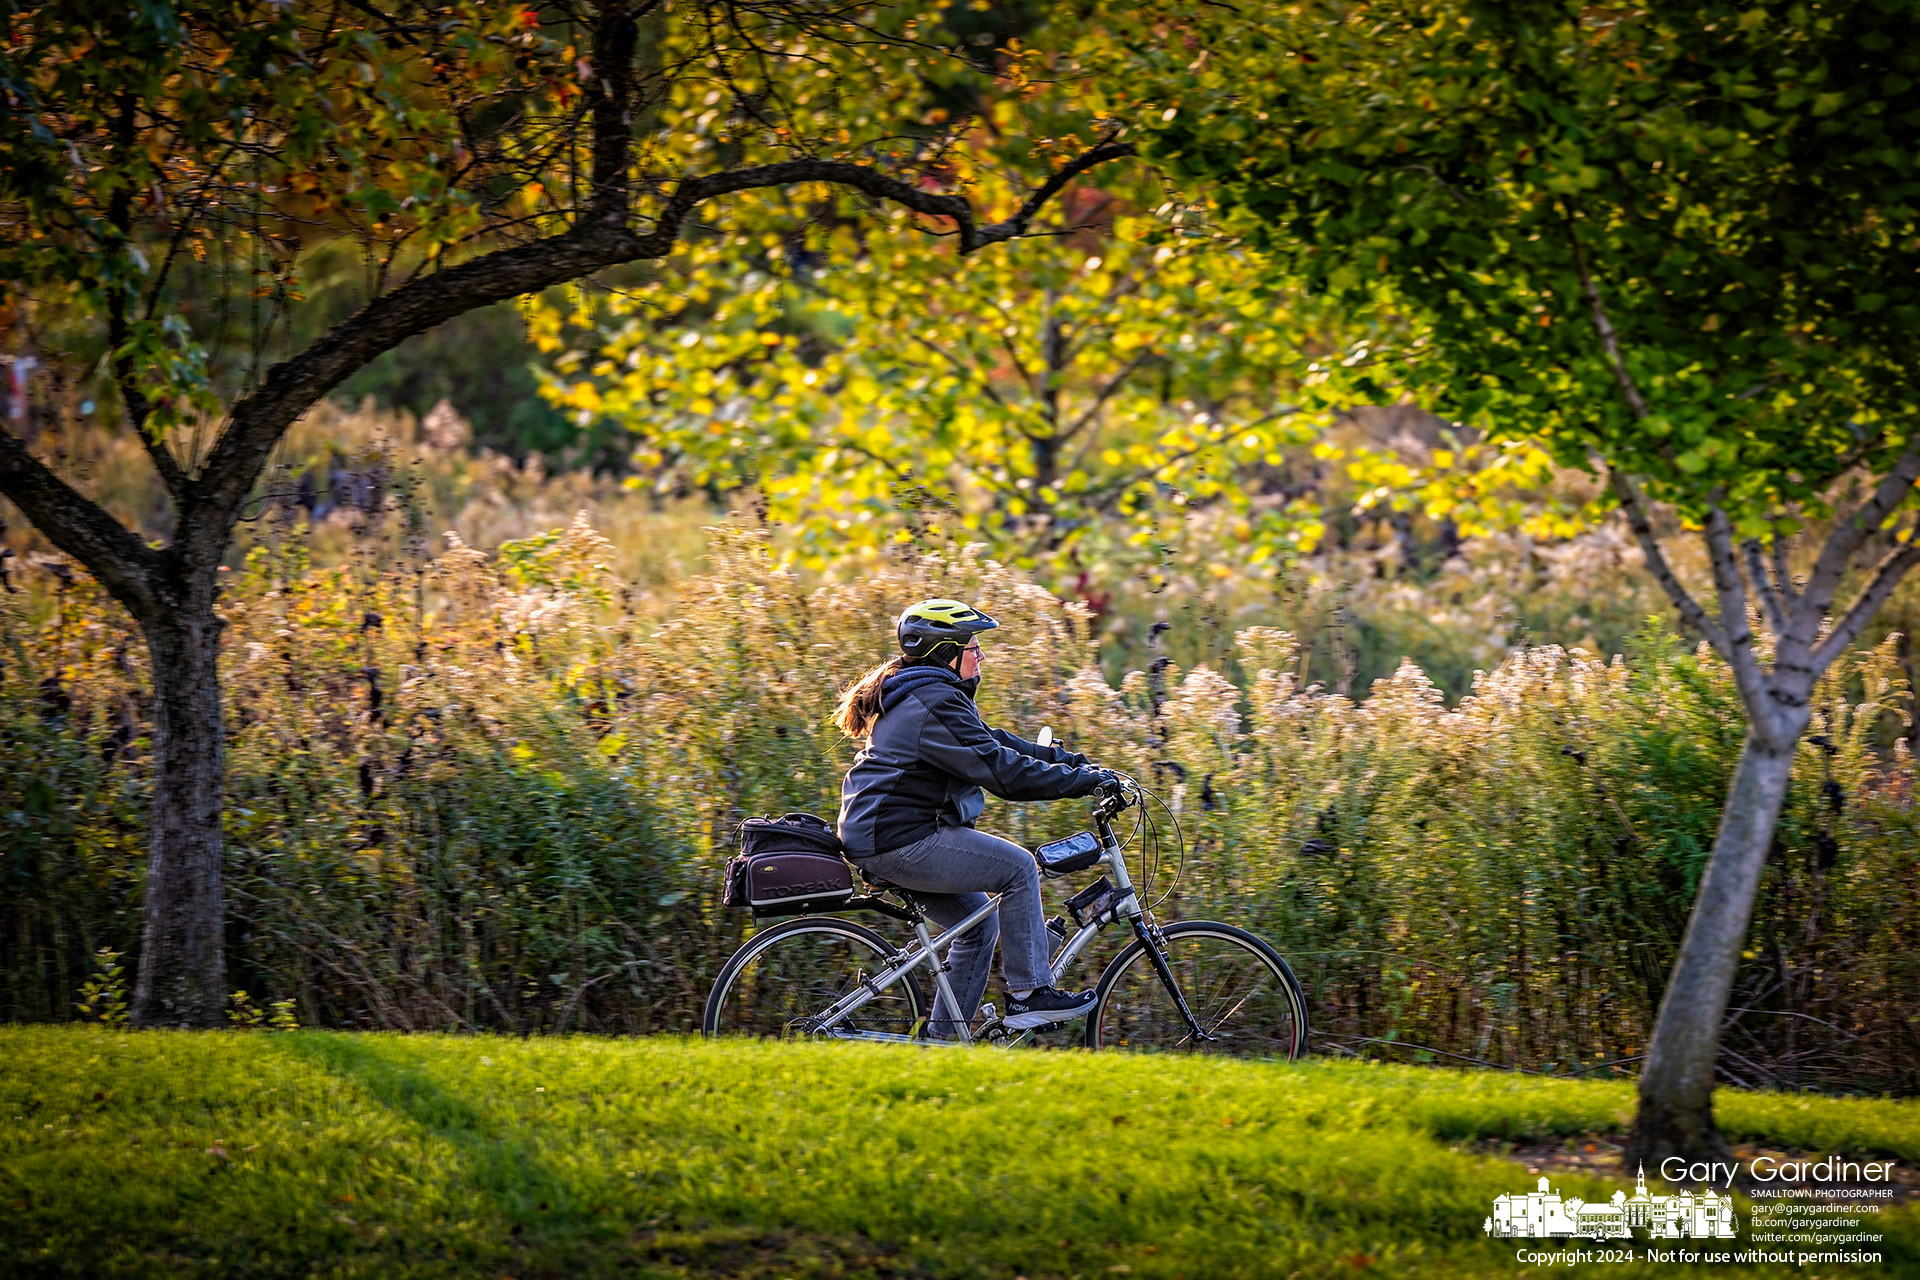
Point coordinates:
pixel 1064 857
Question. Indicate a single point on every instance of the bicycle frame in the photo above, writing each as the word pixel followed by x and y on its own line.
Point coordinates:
pixel 1126 906
pixel 928 952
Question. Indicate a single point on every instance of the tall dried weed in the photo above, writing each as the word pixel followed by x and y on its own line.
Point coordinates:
pixel 480 791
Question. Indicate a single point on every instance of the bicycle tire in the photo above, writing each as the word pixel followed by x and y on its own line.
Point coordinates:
pixel 797 969
pixel 1252 1002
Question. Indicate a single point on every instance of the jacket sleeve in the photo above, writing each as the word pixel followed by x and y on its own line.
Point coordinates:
pixel 953 738
pixel 1052 753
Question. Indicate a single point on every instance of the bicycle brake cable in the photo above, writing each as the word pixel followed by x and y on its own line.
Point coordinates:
pixel 1180 838
pixel 1135 832
pixel 1147 831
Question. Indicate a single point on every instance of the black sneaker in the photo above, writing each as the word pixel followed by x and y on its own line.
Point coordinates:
pixel 1044 1005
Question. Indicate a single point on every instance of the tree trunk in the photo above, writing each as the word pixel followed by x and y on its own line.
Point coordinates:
pixel 1676 1085
pixel 183 968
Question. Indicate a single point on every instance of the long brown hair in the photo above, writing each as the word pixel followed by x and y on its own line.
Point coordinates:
pixel 860 701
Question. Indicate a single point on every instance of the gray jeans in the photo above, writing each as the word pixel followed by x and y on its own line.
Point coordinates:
pixel 951 872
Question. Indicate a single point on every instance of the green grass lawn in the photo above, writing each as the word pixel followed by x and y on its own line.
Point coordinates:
pixel 380 1155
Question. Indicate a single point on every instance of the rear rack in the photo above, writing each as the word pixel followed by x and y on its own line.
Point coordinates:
pixel 874 902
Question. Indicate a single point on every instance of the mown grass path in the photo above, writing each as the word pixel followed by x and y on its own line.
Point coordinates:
pixel 382 1155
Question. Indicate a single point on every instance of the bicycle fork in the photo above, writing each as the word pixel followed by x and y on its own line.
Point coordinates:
pixel 1151 939
pixel 1144 929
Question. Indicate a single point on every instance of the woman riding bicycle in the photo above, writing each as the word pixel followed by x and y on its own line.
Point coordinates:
pixel 909 803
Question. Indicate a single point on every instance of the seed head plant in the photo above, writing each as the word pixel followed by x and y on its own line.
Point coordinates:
pixel 494 791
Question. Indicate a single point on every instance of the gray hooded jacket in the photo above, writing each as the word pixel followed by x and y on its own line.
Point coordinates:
pixel 930 757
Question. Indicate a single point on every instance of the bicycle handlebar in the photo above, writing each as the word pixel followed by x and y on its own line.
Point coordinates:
pixel 1114 797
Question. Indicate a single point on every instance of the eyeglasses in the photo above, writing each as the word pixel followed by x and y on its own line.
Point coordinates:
pixel 973 649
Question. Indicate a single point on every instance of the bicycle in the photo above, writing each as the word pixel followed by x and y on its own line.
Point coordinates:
pixel 1192 985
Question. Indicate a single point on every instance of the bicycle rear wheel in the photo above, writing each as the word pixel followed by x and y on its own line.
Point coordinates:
pixel 1240 990
pixel 794 972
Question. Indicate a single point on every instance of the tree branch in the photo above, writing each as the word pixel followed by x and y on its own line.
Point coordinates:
pixel 1782 572
pixel 1849 534
pixel 1886 576
pixel 1013 358
pixel 1608 338
pixel 1017 224
pixel 1764 587
pixel 124 564
pixel 1106 393
pixel 1732 593
pixel 119 299
pixel 258 419
pixel 972 375
pixel 126 377
pixel 1732 636
pixel 900 473
pixel 1635 507
pixel 611 62
pixel 1118 489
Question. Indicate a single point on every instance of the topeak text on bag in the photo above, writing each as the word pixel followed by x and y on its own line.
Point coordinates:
pixel 787 866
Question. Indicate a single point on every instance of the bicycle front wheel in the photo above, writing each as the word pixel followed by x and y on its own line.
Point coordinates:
pixel 785 978
pixel 1241 993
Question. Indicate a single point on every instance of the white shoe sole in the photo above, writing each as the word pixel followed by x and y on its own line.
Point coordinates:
pixel 1044 1017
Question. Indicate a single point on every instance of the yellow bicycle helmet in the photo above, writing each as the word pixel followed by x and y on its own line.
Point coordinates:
pixel 926 628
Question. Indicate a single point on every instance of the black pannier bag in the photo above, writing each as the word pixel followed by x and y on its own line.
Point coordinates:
pixel 787 866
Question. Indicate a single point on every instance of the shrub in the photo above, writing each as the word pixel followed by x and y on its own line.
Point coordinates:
pixel 478 792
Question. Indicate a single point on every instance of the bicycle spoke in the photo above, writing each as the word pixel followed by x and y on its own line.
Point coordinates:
pixel 786 987
pixel 1241 999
